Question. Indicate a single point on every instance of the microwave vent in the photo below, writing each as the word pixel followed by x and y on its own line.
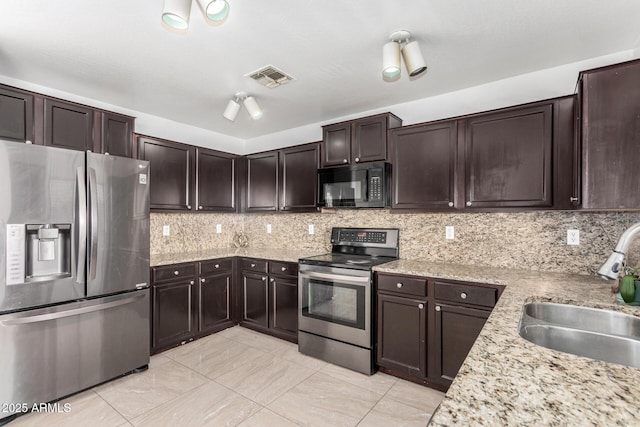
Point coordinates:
pixel 270 76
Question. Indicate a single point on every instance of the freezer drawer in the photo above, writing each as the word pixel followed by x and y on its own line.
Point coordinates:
pixel 52 352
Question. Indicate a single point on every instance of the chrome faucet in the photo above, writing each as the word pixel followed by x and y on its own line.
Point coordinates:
pixel 613 266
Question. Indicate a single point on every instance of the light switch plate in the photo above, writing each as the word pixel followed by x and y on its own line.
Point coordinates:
pixel 449 232
pixel 165 230
pixel 218 228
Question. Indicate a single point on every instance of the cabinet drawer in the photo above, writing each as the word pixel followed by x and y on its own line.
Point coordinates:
pixel 283 268
pixel 215 265
pixel 252 264
pixel 467 294
pixel 173 272
pixel 402 284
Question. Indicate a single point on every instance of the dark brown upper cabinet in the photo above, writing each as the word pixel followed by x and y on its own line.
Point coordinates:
pixel 171 173
pixel 424 166
pixel 355 141
pixel 69 125
pixel 262 182
pixel 216 185
pixel 298 177
pixel 508 158
pixel 282 180
pixel 16 115
pixel 117 134
pixel 610 136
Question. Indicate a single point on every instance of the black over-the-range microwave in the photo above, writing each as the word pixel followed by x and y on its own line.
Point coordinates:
pixel 364 185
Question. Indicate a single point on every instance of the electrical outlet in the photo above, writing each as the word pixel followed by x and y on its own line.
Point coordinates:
pixel 449 232
pixel 573 237
pixel 218 228
pixel 311 229
pixel 269 228
pixel 165 230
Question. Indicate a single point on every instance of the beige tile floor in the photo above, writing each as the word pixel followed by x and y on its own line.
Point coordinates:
pixel 240 377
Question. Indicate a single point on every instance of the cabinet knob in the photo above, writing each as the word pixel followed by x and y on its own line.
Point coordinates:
pixel 469 203
pixel 200 207
pixel 188 206
pixel 420 306
pixel 272 280
pixel 106 154
pixel 438 308
pixel 463 295
pixel 345 161
pixel 28 142
pixel 216 266
pixel 253 265
pixel 202 280
pixel 573 199
pixel 283 269
pixel 191 282
pixel 357 159
pixel 264 278
pixel 450 204
pixel 398 285
pixel 176 272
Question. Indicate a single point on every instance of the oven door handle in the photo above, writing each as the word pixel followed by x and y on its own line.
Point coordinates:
pixel 336 277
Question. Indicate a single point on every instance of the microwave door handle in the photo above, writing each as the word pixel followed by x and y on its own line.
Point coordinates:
pixel 93 225
pixel 81 212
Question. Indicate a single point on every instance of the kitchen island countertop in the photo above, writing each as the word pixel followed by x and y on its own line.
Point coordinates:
pixel 506 380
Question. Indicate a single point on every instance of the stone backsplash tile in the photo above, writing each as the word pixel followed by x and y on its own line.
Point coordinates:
pixel 530 240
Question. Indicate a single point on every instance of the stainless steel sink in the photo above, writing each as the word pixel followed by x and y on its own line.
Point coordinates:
pixel 599 334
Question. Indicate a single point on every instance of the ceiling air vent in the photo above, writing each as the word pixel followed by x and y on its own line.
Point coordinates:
pixel 270 76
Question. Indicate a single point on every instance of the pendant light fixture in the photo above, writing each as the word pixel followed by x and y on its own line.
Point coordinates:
pixel 411 53
pixel 175 13
pixel 233 107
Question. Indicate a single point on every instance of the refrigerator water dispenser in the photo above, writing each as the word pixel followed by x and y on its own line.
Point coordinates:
pixel 47 252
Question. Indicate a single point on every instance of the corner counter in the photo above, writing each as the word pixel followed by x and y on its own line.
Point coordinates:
pixel 275 254
pixel 506 380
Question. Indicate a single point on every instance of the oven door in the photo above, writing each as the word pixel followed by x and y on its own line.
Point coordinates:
pixel 335 303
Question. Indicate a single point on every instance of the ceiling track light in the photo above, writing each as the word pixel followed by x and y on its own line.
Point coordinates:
pixel 411 53
pixel 233 107
pixel 175 13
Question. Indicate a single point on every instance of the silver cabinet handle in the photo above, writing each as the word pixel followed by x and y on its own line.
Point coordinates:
pixel 463 295
pixel 188 206
pixel 283 268
pixel 176 272
pixel 450 204
pixel 200 207
pixel 202 280
pixel 420 306
pixel 264 278
pixel 573 199
pixel 272 280
pixel 357 159
pixel 469 203
pixel 438 308
pixel 345 161
pixel 191 282
pixel 216 266
pixel 398 285
pixel 253 265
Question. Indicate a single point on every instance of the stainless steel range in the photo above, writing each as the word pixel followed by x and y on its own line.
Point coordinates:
pixel 335 295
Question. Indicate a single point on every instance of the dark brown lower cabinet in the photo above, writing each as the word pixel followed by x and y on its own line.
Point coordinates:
pixel 214 302
pixel 456 329
pixel 173 313
pixel 284 307
pixel 402 334
pixel 255 300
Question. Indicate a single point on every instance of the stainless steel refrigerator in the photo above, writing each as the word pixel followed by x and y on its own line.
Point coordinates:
pixel 74 271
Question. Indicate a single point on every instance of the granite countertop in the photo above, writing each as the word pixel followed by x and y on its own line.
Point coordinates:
pixel 506 380
pixel 275 254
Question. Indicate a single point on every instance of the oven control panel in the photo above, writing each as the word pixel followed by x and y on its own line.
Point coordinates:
pixel 360 236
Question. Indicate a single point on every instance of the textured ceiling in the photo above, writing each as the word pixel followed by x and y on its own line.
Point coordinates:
pixel 119 53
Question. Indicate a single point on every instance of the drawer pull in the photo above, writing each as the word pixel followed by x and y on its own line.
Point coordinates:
pixel 191 282
pixel 253 265
pixel 463 295
pixel 469 203
pixel 357 159
pixel 202 280
pixel 399 285
pixel 420 306
pixel 450 204
pixel 216 266
pixel 438 308
pixel 176 272
pixel 283 268
pixel 272 280
pixel 345 161
pixel 264 278
pixel 188 206
pixel 200 207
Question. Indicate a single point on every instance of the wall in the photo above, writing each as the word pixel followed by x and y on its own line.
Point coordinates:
pixel 529 240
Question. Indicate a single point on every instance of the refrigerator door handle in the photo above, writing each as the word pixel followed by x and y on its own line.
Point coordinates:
pixel 81 210
pixel 45 317
pixel 93 223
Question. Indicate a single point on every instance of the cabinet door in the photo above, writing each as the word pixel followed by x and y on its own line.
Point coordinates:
pixel 369 139
pixel 16 115
pixel 214 302
pixel 117 132
pixel 262 182
pixel 174 319
pixel 255 300
pixel 171 173
pixel 456 329
pixel 611 137
pixel 68 125
pixel 284 307
pixel 336 144
pixel 299 177
pixel 215 183
pixel 402 334
pixel 424 159
pixel 508 158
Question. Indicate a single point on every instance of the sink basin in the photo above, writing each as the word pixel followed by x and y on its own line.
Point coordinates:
pixel 599 334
